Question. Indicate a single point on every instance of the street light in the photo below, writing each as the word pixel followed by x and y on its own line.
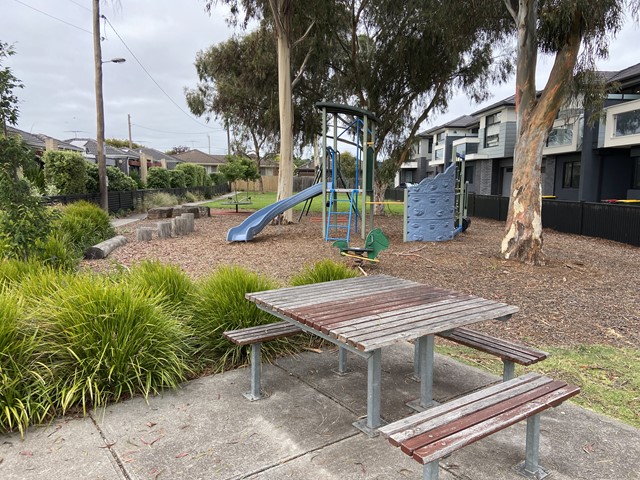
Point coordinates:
pixel 97 60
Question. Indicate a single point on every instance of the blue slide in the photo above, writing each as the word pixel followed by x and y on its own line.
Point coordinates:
pixel 258 220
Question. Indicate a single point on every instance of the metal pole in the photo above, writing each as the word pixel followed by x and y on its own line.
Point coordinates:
pixel 363 186
pixel 374 374
pixel 324 172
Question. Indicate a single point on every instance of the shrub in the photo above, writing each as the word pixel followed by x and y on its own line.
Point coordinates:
pixel 178 179
pixel 135 176
pixel 191 197
pixel 12 271
pixel 59 252
pixel 93 185
pixel 322 271
pixel 195 174
pixel 158 178
pixel 105 342
pixel 157 199
pixel 119 181
pixel 24 395
pixel 84 224
pixel 67 171
pixel 220 305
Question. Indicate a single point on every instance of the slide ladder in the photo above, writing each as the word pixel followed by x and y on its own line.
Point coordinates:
pixel 339 222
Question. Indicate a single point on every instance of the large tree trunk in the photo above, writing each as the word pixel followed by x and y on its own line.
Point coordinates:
pixel 523 230
pixel 285 175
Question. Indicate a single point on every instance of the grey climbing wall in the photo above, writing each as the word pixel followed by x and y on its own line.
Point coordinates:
pixel 430 204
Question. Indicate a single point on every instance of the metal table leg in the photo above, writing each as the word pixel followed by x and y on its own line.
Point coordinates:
pixel 425 347
pixel 374 373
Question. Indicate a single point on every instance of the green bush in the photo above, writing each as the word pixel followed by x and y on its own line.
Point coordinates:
pixel 178 179
pixel 135 176
pixel 195 174
pixel 158 178
pixel 105 342
pixel 322 271
pixel 220 305
pixel 84 224
pixel 24 389
pixel 67 171
pixel 93 185
pixel 119 181
pixel 59 252
pixel 157 199
pixel 12 271
pixel 168 283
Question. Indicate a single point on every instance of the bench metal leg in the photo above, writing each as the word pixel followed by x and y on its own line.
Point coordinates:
pixel 374 374
pixel 426 359
pixel 530 467
pixel 509 370
pixel 416 362
pixel 430 470
pixel 342 361
pixel 256 370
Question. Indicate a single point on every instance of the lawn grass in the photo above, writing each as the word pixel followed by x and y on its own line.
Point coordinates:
pixel 609 377
pixel 261 200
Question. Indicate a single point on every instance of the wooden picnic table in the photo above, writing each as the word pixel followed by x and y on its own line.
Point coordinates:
pixel 362 315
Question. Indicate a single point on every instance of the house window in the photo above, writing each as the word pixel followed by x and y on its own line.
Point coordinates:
pixel 440 138
pixel 626 123
pixel 492 130
pixel 468 173
pixel 571 175
pixel 430 145
pixel 439 154
pixel 560 136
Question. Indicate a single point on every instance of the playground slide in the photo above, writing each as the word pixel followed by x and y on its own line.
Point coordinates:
pixel 258 220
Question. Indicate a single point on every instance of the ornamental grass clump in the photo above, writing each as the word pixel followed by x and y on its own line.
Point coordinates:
pixel 220 305
pixel 84 224
pixel 168 283
pixel 24 381
pixel 105 342
pixel 322 271
pixel 12 271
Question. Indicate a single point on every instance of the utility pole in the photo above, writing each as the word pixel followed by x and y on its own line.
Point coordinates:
pixel 130 142
pixel 97 59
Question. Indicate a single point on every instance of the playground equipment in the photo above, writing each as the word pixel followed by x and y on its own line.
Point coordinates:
pixel 336 224
pixel 360 124
pixel 436 209
pixel 375 242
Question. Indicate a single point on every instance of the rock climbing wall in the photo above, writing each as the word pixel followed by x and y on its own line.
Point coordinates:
pixel 430 205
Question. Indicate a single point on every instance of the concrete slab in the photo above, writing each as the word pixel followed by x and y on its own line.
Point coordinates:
pixel 66 449
pixel 398 387
pixel 208 430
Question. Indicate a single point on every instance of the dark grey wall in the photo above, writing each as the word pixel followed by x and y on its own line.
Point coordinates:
pixel 560 192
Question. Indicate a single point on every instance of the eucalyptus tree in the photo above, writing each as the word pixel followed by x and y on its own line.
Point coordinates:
pixel 293 28
pixel 576 32
pixel 405 60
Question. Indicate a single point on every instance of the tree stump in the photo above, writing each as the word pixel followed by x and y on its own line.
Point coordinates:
pixel 189 222
pixel 144 234
pixel 164 229
pixel 102 249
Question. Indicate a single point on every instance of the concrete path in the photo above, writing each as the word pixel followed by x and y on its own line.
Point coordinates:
pixel 207 430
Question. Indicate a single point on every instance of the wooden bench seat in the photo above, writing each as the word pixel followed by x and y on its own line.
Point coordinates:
pixel 255 336
pixel 439 431
pixel 510 352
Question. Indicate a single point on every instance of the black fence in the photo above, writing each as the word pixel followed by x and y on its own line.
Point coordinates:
pixel 127 200
pixel 620 223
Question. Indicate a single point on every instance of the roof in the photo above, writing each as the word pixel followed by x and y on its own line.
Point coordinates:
pixel 59 143
pixel 29 138
pixel 505 102
pixel 158 155
pixel 463 121
pixel 628 75
pixel 90 146
pixel 196 156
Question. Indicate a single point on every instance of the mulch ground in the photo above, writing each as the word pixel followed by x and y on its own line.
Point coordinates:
pixel 586 294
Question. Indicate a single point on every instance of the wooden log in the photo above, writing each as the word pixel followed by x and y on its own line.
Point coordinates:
pixel 102 249
pixel 144 234
pixel 159 212
pixel 189 222
pixel 176 211
pixel 164 229
pixel 191 209
pixel 204 211
pixel 178 226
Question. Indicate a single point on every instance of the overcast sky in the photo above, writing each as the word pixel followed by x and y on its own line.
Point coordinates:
pixel 54 60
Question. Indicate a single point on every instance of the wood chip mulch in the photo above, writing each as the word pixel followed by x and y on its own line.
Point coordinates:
pixel 586 294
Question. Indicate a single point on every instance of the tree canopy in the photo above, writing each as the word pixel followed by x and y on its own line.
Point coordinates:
pixel 9 110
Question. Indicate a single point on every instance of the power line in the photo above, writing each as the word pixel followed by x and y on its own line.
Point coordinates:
pixel 55 18
pixel 81 6
pixel 150 76
pixel 179 133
